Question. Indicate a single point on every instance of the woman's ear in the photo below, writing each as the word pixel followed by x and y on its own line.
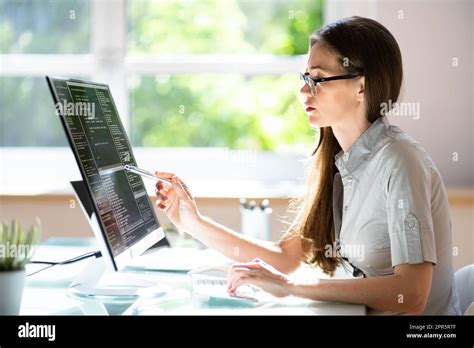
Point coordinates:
pixel 360 89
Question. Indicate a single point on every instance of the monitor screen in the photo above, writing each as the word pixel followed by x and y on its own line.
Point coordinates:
pixel 101 147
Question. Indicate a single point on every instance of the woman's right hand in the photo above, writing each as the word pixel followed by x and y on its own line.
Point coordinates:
pixel 176 202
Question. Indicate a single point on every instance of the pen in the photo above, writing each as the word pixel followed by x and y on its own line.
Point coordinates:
pixel 146 174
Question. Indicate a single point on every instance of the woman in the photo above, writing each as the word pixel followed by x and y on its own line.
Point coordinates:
pixel 371 188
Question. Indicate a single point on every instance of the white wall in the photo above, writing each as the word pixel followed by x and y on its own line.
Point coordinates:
pixel 431 33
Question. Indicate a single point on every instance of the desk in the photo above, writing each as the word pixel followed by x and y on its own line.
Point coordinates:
pixel 46 293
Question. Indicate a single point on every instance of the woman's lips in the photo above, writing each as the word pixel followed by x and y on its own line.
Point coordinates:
pixel 309 109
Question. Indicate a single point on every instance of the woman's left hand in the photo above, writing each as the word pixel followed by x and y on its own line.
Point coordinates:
pixel 260 274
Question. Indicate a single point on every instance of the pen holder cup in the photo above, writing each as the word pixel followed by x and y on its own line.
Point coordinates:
pixel 256 222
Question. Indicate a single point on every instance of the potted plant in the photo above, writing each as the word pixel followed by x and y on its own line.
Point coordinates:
pixel 16 250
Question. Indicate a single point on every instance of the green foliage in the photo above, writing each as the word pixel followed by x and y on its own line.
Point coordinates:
pixel 226 110
pixel 44 26
pixel 223 26
pixel 27 114
pixel 261 112
pixel 16 245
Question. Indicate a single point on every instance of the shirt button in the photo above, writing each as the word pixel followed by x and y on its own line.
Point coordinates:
pixel 411 224
pixel 349 179
pixel 345 207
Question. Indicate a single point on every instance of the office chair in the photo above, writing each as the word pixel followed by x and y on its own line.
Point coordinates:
pixel 464 279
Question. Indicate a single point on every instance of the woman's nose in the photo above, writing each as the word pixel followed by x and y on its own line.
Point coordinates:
pixel 305 90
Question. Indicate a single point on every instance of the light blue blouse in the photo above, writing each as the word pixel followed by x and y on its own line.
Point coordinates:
pixel 391 208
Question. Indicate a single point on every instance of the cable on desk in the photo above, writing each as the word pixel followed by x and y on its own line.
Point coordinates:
pixel 50 264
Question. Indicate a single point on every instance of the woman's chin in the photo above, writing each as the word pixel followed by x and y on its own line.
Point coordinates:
pixel 315 120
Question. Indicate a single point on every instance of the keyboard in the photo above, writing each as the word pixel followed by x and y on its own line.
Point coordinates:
pixel 207 286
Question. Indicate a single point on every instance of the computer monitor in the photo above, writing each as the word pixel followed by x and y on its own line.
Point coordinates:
pixel 124 219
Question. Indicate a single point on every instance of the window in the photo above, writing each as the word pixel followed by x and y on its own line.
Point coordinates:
pixel 28 29
pixel 210 110
pixel 184 73
pixel 230 26
pixel 233 86
pixel 45 26
pixel 27 119
pixel 218 73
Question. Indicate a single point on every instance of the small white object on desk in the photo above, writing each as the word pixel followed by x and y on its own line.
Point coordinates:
pixel 255 220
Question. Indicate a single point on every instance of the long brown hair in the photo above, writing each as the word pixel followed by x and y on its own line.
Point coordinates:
pixel 366 48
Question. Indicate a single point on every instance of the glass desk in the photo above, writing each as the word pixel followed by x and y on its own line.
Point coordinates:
pixel 46 293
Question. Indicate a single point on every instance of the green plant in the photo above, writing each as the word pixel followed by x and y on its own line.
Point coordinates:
pixel 17 246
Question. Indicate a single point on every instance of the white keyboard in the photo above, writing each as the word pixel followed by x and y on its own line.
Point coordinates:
pixel 206 286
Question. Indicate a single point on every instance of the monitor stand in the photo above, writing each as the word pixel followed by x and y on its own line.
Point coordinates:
pixel 96 282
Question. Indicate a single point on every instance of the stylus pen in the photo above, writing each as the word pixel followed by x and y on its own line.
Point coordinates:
pixel 146 174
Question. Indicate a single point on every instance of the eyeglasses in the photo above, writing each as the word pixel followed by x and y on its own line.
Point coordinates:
pixel 313 81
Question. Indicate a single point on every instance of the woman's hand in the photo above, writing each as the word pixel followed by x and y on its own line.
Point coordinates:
pixel 176 202
pixel 260 274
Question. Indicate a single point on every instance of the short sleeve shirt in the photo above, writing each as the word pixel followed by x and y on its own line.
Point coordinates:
pixel 391 208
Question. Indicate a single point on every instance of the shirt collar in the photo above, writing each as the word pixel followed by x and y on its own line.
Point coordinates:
pixel 348 163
